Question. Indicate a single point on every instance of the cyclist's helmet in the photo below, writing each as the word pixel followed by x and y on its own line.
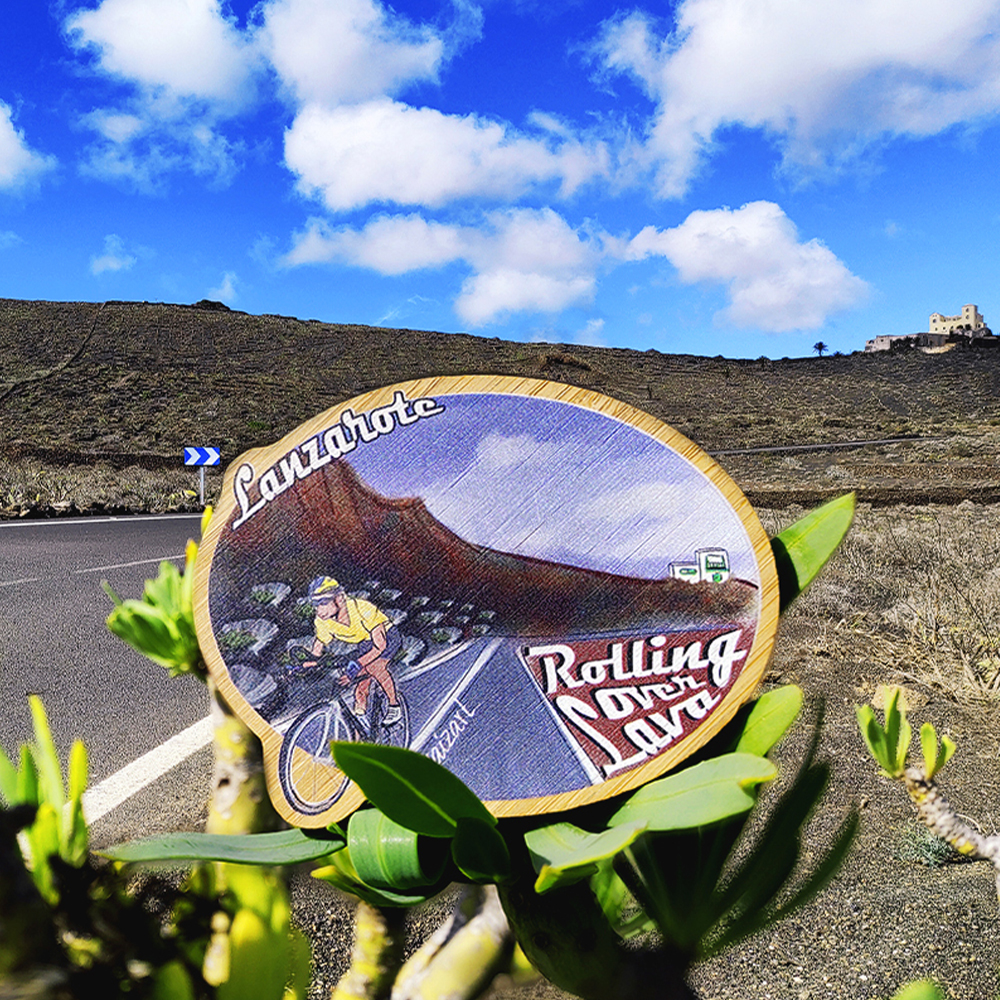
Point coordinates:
pixel 323 588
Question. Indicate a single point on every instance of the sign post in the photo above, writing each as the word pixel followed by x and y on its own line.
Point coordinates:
pixel 202 457
pixel 554 595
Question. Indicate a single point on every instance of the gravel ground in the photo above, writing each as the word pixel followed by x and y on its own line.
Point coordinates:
pixel 887 918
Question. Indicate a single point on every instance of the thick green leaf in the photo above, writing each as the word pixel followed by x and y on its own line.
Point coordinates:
pixel 763 911
pixel 288 847
pixel 172 982
pixel 43 840
pixel 77 771
pixel 27 778
pixel 409 788
pixel 898 733
pixel 935 757
pixel 147 630
pixel 50 780
pixel 563 853
pixel 613 897
pixel 8 781
pixel 769 719
pixel 873 735
pixel 340 872
pixel 299 965
pixel 388 856
pixel 763 872
pixel 479 851
pixel 260 888
pixel 804 548
pixel 76 833
pixel 709 792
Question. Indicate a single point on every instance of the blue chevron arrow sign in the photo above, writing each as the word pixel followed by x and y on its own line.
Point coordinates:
pixel 202 456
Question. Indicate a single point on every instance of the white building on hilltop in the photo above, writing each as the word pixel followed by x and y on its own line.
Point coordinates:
pixel 970 320
pixel 942 331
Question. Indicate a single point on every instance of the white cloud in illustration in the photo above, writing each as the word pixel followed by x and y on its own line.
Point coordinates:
pixel 521 493
pixel 774 281
pixel 19 163
pixel 826 79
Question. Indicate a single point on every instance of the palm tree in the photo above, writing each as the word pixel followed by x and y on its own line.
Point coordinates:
pixel 819 347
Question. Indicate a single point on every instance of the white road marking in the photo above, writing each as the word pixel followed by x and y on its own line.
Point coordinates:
pixel 14 583
pixel 447 703
pixel 138 562
pixel 45 522
pixel 113 791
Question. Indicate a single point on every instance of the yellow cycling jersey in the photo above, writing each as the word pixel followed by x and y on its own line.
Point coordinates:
pixel 365 617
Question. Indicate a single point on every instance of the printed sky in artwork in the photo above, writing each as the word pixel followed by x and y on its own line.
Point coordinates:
pixel 556 481
pixel 736 177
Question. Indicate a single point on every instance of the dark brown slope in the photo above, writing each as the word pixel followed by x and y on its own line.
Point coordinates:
pixel 332 523
pixel 149 378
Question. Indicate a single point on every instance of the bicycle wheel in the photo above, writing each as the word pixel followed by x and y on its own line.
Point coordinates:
pixel 307 783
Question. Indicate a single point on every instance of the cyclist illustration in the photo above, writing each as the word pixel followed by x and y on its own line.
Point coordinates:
pixel 360 624
pixel 353 646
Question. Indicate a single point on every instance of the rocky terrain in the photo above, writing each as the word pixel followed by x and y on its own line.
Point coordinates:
pixel 122 387
pixel 98 400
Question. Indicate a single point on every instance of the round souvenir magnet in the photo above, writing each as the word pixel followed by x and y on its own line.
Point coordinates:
pixel 554 595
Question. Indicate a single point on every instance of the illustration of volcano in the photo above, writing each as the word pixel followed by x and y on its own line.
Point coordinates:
pixel 332 523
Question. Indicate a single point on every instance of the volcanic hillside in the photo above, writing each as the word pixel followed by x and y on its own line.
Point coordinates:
pixel 134 382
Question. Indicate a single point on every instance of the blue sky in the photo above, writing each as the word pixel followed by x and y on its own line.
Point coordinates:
pixel 737 177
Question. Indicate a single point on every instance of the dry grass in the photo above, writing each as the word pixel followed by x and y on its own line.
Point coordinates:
pixel 915 591
pixel 29 486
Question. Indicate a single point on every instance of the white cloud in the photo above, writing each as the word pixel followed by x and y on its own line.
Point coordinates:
pixel 352 50
pixel 19 163
pixel 385 151
pixel 190 66
pixel 144 159
pixel 387 244
pixel 116 126
pixel 8 239
pixel 114 258
pixel 184 48
pixel 827 79
pixel 522 260
pixel 492 293
pixel 774 281
pixel 591 334
pixel 226 289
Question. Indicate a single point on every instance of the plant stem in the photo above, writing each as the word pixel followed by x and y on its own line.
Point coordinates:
pixel 938 814
pixel 239 801
pixel 459 961
pixel 30 959
pixel 377 954
pixel 568 939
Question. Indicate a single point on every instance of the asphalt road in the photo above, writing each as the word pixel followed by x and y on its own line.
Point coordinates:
pixel 54 643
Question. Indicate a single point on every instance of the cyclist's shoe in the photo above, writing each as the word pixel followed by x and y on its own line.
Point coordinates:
pixel 392 715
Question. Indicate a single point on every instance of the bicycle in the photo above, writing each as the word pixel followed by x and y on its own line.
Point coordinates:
pixel 306 786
